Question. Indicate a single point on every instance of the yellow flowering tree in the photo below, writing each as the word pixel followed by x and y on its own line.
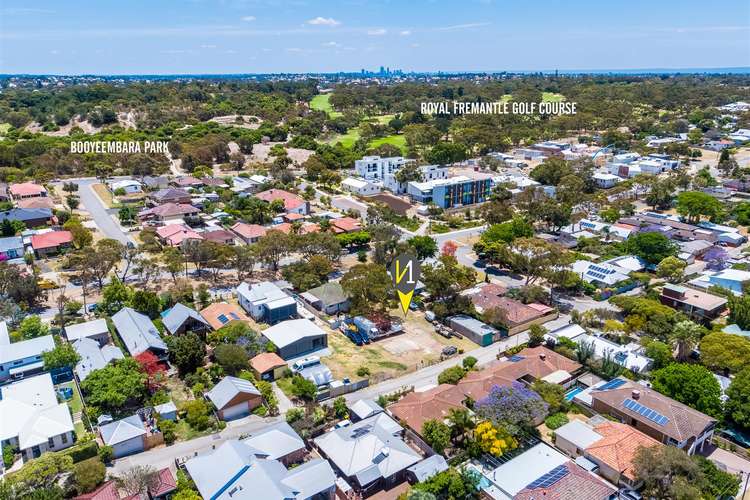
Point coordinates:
pixel 493 440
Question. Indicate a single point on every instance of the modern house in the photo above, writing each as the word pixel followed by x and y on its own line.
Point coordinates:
pixel 377 168
pixel 698 305
pixel 452 192
pixel 11 248
pixel 219 314
pixel 237 471
pixel 610 446
pixel 249 233
pixel 26 190
pixel 234 398
pixel 266 302
pixel 32 420
pixel 360 187
pixel 31 217
pixel 180 319
pixel 734 280
pixel 96 330
pixel 50 243
pixel 329 298
pixel 369 455
pixel 128 186
pixel 94 356
pixel 278 442
pixel 292 202
pixel 126 436
pixel 268 366
pixel 138 333
pixel 296 337
pixel 24 358
pixel 542 472
pixel 656 415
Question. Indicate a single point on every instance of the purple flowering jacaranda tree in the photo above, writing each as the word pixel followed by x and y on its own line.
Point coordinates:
pixel 512 407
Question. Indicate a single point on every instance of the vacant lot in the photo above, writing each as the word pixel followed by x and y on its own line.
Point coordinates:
pixel 104 194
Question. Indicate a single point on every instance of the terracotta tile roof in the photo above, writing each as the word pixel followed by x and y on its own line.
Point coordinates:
pixel 170 209
pixel 577 484
pixel 293 217
pixel 187 181
pixel 107 491
pixel 286 227
pixel 218 236
pixel 291 200
pixel 490 296
pixel 682 423
pixel 418 407
pixel 346 224
pixel 229 311
pixel 249 231
pixel 174 234
pixel 40 202
pixel 52 239
pixel 26 189
pixel 535 362
pixel 166 483
pixel 266 361
pixel 618 446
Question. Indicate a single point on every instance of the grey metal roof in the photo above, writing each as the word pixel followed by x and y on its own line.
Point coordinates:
pixel 329 293
pixel 364 408
pixel 428 467
pixel 276 441
pixel 290 331
pixel 24 214
pixel 265 293
pixel 318 373
pixel 93 357
pixel 174 318
pixel 87 329
pixel 137 331
pixel 122 430
pixel 223 392
pixel 165 408
pixel 11 243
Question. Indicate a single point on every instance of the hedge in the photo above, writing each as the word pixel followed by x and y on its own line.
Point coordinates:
pixel 82 452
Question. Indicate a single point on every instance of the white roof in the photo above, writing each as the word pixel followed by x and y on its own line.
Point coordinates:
pixel 30 412
pixel 290 331
pixel 137 331
pixel 165 408
pixel 87 329
pixel 93 357
pixel 578 433
pixel 628 262
pixel 369 449
pixel 557 377
pixel 355 183
pixel 622 355
pixel 364 408
pixel 733 275
pixel 223 392
pixel 16 351
pixel 265 293
pixel 570 331
pixel 514 475
pixel 124 183
pixel 276 441
pixel 425 186
pixel 122 430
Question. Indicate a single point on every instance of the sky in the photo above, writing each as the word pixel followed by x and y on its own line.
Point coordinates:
pixel 265 36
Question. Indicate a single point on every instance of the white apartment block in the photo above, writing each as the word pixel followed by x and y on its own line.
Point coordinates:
pixel 376 168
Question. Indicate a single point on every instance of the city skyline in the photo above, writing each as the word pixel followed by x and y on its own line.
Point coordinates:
pixel 250 37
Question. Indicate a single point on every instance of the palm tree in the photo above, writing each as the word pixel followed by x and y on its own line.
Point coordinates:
pixel 685 335
pixel 460 422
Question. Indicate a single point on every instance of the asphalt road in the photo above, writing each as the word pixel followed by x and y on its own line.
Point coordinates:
pixel 98 211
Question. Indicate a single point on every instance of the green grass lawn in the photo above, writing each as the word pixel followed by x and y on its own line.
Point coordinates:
pixel 321 102
pixel 398 140
pixel 347 140
pixel 75 402
pixel 80 429
pixel 285 384
pixel 552 97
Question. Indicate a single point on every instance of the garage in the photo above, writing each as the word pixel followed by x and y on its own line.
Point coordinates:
pixel 236 411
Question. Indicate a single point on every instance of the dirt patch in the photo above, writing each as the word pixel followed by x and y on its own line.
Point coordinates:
pixel 398 205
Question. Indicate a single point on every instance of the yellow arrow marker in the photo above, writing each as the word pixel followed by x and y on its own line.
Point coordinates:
pixel 405 299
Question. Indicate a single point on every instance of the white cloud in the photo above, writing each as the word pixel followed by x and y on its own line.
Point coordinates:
pixel 331 44
pixel 415 45
pixel 462 26
pixel 377 32
pixel 405 33
pixel 323 21
pixel 54 52
pixel 294 49
pixel 208 46
pixel 247 19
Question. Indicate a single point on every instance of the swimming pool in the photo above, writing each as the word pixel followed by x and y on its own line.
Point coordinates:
pixel 572 393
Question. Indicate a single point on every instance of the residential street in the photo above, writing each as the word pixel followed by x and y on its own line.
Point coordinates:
pixel 98 211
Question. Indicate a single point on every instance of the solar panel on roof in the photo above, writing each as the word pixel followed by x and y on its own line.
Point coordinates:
pixel 612 384
pixel 223 319
pixel 645 411
pixel 515 358
pixel 550 478
pixel 234 315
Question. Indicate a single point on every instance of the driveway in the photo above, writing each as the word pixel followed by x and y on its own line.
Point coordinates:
pixel 98 211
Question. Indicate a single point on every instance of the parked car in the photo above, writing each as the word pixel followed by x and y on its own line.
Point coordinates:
pixel 628 494
pixel 450 350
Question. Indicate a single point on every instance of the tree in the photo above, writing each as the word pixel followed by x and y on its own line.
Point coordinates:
pixel 173 260
pixel 232 358
pixel 304 275
pixel 437 435
pixel 505 232
pixel 244 260
pixel 660 352
pixel 685 335
pixel 32 327
pixel 452 375
pixel 88 474
pixel 552 394
pixel 444 280
pixel 717 483
pixel 738 399
pixel 494 440
pixel 725 351
pixel 82 237
pixel 368 286
pixel 651 247
pixel 272 247
pixel 197 414
pixel 536 335
pixel 116 387
pixel 533 257
pixel 739 311
pixel 339 407
pixel 63 355
pixel 671 268
pixel 515 407
pixel 138 480
pixel 115 296
pixel 40 473
pixel 694 204
pixel 186 352
pixel 424 246
pixel 451 484
pixel 584 351
pixel 303 388
pixel 102 259
pixel 664 469
pixel 469 362
pixel 692 385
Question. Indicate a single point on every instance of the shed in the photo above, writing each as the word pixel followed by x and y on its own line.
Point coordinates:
pixel 234 398
pixel 478 332
pixel 268 366
pixel 329 298
pixel 125 436
pixel 296 337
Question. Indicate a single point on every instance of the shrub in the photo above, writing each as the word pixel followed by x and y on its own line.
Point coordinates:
pixel 556 421
pixel 363 371
pixel 469 362
pixel 261 411
pixel 167 428
pixel 294 414
pixel 8 456
pixel 451 375
pixel 197 414
pixel 88 474
pixel 82 451
pixel 105 454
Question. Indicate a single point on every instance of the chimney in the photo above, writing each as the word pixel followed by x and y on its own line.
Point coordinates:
pixel 636 394
pixel 542 356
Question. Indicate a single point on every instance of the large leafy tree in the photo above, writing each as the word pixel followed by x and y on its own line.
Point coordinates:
pixel 515 407
pixel 725 351
pixel 369 288
pixel 694 204
pixel 437 435
pixel 533 258
pixel 116 387
pixel 650 246
pixel 738 399
pixel 231 357
pixel 739 311
pixel 186 352
pixel 61 356
pixel 424 246
pixel 693 385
